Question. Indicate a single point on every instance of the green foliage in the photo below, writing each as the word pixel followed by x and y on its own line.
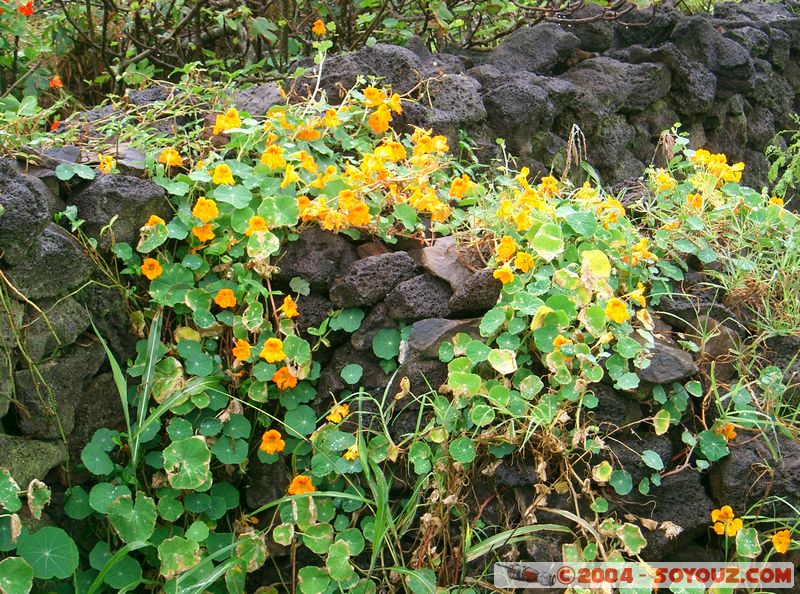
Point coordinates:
pixel 226 380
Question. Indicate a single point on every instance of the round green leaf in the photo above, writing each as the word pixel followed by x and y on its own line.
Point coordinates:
pixel 50 552
pixel 348 320
pixel 462 449
pixel 386 343
pixel 621 481
pixel 313 580
pixel 301 421
pixel 187 463
pixel 96 460
pixel 133 521
pixel 653 460
pixel 76 503
pixel 9 492
pixel 318 538
pixel 338 561
pixel 352 373
pixel 177 555
pixel 16 576
pixel 103 495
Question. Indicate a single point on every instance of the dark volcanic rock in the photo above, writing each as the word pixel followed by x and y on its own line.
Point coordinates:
pixel 541 49
pixel 424 375
pixel 98 406
pixel 369 280
pixel 613 409
pixel 257 100
pixel 668 363
pixel 784 353
pixel 61 323
pixel 679 505
pixel 55 251
pixel 318 257
pixel 47 408
pixel 752 472
pixel 331 382
pixel 131 199
pixel 267 482
pixel 25 213
pixel 377 319
pixel 513 474
pixel 423 296
pixel 28 459
pixel 617 86
pixel 427 335
pixel 477 295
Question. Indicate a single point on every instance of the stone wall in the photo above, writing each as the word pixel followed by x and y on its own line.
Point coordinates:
pixel 731 79
pixel 56 388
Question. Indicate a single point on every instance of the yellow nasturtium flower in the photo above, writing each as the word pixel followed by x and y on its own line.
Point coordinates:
pixel 617 311
pixel 205 209
pixel 170 157
pixel 223 175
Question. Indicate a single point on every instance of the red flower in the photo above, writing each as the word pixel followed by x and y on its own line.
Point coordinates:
pixel 55 82
pixel 54 126
pixel 26 9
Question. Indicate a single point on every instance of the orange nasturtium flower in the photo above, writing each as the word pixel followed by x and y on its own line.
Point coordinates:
pixel 154 220
pixel 460 186
pixel 273 350
pixel 225 298
pixel 394 103
pixel 374 97
pixel 351 453
pixel 284 379
pixel 379 120
pixel 318 28
pixel 170 157
pixel 289 176
pixel 107 163
pixel 664 181
pixel 151 268
pixel 523 262
pixel 725 522
pixel 338 413
pixel 242 350
pixel 223 175
pixel 504 274
pixel 203 232
pixel 694 202
pixel 289 307
pixel 205 209
pixel 727 431
pixel 256 224
pixel 781 541
pixel 26 9
pixel 506 249
pixel 617 311
pixel 227 121
pixel 301 484
pixel 272 442
pixel 549 186
pixel 55 82
pixel 331 119
pixel 272 157
pixel 637 295
pixel 308 133
pixel 560 341
pixel 776 201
